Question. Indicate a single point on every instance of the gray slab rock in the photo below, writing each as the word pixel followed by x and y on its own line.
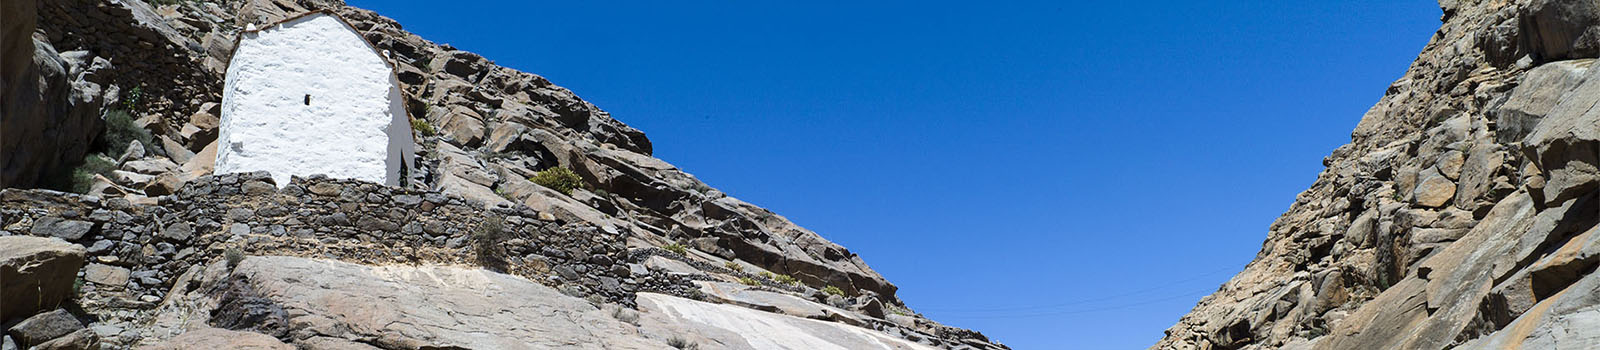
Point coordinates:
pixel 725 326
pixel 416 307
pixel 1540 91
pixel 82 339
pixel 213 338
pixel 430 306
pixel 44 327
pixel 106 275
pixel 70 230
pixel 38 274
pixel 749 297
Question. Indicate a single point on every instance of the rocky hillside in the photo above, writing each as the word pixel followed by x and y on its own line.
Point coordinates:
pixel 1462 215
pixel 118 99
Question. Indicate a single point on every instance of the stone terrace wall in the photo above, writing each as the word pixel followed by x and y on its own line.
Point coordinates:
pixel 136 251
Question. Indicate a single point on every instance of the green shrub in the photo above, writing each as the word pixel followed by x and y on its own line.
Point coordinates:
pixel 749 281
pixel 682 344
pixel 900 310
pixel 422 126
pixel 831 290
pixel 136 95
pixel 558 178
pixel 93 164
pixel 233 256
pixel 733 266
pixel 487 238
pixel 677 248
pixel 766 274
pixel 122 128
pixel 78 178
pixel 786 279
pixel 625 315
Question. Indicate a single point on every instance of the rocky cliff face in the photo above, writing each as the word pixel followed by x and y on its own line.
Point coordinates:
pixel 642 255
pixel 49 101
pixel 1462 215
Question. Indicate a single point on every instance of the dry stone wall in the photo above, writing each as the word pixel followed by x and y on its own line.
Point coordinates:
pixel 134 251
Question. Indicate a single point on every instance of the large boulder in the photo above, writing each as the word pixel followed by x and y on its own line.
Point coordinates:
pixel 44 327
pixel 47 120
pixel 422 307
pixel 83 339
pixel 1565 145
pixel 1539 92
pixel 38 274
pixel 440 307
pixel 1561 29
pixel 70 230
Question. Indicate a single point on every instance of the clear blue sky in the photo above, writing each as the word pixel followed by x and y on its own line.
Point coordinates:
pixel 1057 175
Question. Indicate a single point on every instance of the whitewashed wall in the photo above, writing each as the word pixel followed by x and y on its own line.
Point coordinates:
pixel 354 127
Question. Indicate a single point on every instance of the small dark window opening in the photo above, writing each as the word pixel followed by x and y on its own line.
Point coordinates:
pixel 308 99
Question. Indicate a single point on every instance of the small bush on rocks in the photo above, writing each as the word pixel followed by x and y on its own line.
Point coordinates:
pixel 122 128
pixel 558 178
pixel 233 256
pixel 677 248
pixel 487 238
pixel 786 279
pixel 733 266
pixel 684 344
pixel 749 281
pixel 831 290
pixel 900 310
pixel 80 178
pixel 625 315
pixel 422 127
pixel 136 94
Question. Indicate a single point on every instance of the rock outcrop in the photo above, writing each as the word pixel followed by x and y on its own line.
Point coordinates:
pixel 38 274
pixel 1460 216
pixel 49 105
